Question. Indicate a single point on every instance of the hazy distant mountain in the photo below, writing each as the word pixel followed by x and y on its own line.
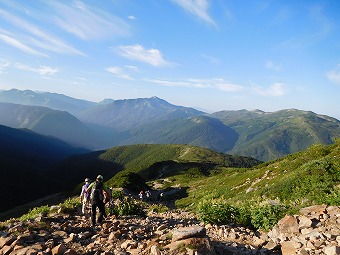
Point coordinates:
pixel 51 100
pixel 267 136
pixel 130 113
pixel 25 158
pixel 55 123
pixel 201 131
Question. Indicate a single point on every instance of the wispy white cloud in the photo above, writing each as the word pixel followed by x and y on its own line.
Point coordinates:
pixel 215 83
pixel 132 68
pixel 79 81
pixel 35 38
pixel 3 65
pixel 210 59
pixel 19 45
pixel 198 8
pixel 119 73
pixel 273 66
pixel 87 22
pixel 131 17
pixel 42 70
pixel 276 90
pixel 137 52
pixel 334 75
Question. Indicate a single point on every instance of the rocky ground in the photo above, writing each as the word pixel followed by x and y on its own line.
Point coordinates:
pixel 315 231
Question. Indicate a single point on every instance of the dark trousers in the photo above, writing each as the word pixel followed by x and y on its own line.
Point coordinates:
pixel 100 205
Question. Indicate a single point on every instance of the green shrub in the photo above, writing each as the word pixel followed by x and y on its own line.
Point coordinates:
pixel 117 194
pixel 35 212
pixel 127 207
pixel 217 212
pixel 243 217
pixel 129 180
pixel 158 208
pixel 265 217
pixel 255 215
pixel 333 198
pixel 70 204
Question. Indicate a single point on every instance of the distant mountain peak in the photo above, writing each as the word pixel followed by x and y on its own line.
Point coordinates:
pixel 106 101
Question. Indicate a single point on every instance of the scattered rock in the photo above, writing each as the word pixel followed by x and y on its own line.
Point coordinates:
pixel 315 231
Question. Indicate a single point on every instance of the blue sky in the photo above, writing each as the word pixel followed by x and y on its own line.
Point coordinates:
pixel 213 55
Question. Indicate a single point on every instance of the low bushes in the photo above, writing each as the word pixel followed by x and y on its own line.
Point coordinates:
pixel 126 206
pixel 255 216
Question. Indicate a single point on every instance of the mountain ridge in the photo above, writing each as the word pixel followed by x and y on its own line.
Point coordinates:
pixel 51 100
pixel 263 135
pixel 60 124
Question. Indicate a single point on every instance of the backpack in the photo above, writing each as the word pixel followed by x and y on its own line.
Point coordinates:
pixel 86 195
pixel 97 192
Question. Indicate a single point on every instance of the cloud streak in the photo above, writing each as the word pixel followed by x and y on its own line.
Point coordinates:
pixel 215 83
pixel 334 75
pixel 34 37
pixel 3 65
pixel 273 66
pixel 198 8
pixel 42 70
pixel 87 22
pixel 19 45
pixel 119 73
pixel 149 56
pixel 276 90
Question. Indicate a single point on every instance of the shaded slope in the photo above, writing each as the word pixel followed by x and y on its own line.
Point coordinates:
pixel 25 158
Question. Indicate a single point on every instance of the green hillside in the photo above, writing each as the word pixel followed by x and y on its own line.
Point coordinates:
pixel 147 160
pixel 297 180
pixel 268 136
pixel 218 187
pixel 300 179
pixel 200 131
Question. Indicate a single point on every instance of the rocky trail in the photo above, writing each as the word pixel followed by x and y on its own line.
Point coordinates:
pixel 316 230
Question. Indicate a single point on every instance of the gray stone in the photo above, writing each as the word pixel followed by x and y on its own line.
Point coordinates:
pixel 186 232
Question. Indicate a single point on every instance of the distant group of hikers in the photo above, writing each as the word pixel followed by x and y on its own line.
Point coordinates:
pixel 95 194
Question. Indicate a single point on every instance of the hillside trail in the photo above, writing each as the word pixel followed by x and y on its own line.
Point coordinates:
pixel 315 231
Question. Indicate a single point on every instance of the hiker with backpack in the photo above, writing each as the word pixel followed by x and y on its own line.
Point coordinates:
pixel 97 189
pixel 84 196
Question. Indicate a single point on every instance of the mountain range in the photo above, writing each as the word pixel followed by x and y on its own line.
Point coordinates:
pixel 95 126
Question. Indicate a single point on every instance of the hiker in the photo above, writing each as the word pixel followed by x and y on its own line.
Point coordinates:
pixel 96 189
pixel 160 196
pixel 84 196
pixel 148 195
pixel 141 195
